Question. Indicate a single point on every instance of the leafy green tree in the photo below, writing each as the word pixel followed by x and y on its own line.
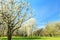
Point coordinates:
pixel 57 25
pixel 51 29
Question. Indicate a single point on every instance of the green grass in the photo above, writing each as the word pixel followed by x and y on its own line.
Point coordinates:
pixel 32 38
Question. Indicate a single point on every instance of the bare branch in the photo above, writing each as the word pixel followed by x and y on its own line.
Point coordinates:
pixel 16 28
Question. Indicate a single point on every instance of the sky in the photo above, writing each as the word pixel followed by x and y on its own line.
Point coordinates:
pixel 45 11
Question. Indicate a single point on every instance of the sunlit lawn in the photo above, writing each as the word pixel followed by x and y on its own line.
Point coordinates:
pixel 32 38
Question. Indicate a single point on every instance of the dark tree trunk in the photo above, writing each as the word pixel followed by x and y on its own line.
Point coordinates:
pixel 9 34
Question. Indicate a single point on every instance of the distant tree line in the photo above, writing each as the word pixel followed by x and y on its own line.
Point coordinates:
pixel 51 29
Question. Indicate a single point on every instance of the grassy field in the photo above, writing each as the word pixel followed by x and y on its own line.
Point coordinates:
pixel 33 38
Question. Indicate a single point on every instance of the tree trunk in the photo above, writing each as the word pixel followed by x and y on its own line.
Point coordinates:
pixel 9 34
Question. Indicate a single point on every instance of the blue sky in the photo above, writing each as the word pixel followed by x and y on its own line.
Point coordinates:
pixel 45 11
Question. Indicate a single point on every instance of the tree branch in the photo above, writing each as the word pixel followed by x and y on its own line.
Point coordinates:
pixel 19 26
